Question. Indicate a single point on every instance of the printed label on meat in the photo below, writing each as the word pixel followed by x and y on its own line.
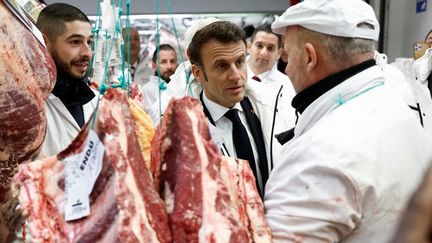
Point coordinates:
pixel 81 172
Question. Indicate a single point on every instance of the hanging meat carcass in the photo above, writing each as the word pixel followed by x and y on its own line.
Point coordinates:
pixel 124 205
pixel 27 76
pixel 209 199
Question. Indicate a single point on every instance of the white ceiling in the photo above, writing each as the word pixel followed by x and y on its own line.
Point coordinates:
pixel 143 17
pixel 184 12
pixel 190 6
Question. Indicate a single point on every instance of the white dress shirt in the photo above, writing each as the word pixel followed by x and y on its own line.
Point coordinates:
pixel 217 113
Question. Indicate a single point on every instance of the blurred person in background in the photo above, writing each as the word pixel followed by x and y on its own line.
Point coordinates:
pixel 164 64
pixel 264 51
pixel 132 51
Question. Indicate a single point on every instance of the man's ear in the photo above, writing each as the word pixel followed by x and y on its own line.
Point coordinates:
pixel 48 43
pixel 197 73
pixel 311 55
pixel 154 66
pixel 279 51
pixel 248 46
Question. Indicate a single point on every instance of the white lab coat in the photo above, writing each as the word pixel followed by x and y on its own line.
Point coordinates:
pixel 61 126
pixel 274 87
pixel 142 70
pixel 415 89
pixel 357 156
pixel 151 95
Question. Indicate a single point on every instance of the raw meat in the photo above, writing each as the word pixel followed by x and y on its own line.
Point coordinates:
pixel 124 205
pixel 240 178
pixel 203 201
pixel 27 77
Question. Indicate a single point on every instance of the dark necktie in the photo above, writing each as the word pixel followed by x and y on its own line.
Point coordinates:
pixel 256 78
pixel 241 141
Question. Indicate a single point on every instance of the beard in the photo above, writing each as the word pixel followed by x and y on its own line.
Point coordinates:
pixel 165 76
pixel 64 69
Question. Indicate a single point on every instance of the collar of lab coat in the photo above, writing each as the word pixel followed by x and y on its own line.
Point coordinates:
pixel 303 99
pixel 88 109
pixel 349 89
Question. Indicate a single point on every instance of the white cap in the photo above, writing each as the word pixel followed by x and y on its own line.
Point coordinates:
pixel 332 17
pixel 195 27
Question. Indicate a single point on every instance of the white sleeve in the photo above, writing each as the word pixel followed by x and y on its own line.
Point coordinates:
pixel 308 199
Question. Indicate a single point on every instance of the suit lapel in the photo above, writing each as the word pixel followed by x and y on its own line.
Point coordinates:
pixel 257 134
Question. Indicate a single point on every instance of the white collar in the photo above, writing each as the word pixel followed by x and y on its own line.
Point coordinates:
pixel 217 111
pixel 261 76
pixel 350 88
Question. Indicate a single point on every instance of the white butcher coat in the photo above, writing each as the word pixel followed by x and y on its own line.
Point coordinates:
pixel 357 156
pixel 61 126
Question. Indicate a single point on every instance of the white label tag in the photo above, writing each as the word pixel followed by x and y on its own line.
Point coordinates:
pixel 116 57
pixel 81 173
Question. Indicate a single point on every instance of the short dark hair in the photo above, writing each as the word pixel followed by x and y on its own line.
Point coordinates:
pixel 266 28
pixel 163 47
pixel 222 31
pixel 249 29
pixel 52 19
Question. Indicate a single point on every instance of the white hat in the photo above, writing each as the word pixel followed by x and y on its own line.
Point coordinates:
pixel 332 17
pixel 197 26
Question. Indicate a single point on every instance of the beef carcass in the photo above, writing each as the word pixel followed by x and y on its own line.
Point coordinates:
pixel 27 77
pixel 239 177
pixel 124 205
pixel 203 201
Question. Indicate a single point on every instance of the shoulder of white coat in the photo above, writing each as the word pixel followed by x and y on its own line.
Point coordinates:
pixel 280 79
pixel 415 71
pixel 423 66
pixel 178 86
pixel 278 76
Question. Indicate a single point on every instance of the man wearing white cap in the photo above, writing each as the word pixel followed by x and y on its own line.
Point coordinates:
pixel 358 152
